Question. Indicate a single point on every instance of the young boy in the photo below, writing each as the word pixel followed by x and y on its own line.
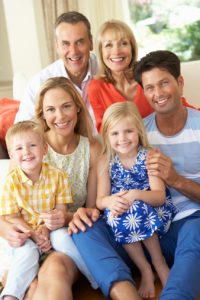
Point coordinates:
pixel 31 189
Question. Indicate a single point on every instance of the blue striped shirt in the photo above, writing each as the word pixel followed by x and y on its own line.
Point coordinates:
pixel 184 150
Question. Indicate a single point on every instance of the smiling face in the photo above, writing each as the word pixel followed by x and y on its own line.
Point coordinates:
pixel 162 90
pixel 116 52
pixel 124 138
pixel 73 46
pixel 27 151
pixel 60 111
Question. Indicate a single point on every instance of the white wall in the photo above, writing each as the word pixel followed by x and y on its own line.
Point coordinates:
pixel 23 38
pixel 25 35
pixel 99 11
pixel 5 60
pixel 22 35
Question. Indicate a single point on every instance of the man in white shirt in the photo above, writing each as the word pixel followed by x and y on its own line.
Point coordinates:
pixel 73 41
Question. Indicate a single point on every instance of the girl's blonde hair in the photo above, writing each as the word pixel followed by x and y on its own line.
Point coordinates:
pixel 23 127
pixel 119 30
pixel 84 123
pixel 114 114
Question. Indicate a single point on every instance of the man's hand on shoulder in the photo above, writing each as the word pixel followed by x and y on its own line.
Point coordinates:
pixel 162 166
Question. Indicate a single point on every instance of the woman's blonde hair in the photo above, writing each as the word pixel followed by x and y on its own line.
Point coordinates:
pixel 84 122
pixel 23 127
pixel 114 114
pixel 120 30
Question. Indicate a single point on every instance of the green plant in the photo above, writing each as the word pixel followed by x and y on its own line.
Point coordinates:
pixel 185 42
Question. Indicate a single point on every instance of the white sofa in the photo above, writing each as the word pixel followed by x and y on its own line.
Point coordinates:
pixel 191 74
pixel 5 259
pixel 190 71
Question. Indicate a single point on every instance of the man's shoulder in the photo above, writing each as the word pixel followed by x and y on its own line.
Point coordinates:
pixel 193 118
pixel 149 121
pixel 54 69
pixel 192 112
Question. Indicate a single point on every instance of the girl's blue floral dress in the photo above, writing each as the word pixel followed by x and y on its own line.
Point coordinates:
pixel 141 220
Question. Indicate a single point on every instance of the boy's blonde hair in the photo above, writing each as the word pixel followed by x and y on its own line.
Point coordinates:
pixel 118 29
pixel 114 114
pixel 84 122
pixel 23 127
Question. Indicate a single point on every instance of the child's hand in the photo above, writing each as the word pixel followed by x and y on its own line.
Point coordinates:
pixel 43 231
pixel 43 241
pixel 45 245
pixel 118 204
pixel 53 219
pixel 131 196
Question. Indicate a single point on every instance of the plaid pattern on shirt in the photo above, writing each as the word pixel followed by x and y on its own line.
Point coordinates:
pixel 30 199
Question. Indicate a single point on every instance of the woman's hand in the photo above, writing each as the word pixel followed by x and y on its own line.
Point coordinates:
pixel 82 217
pixel 54 219
pixel 16 234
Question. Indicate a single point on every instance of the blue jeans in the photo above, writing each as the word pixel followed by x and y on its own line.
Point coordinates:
pixel 181 248
pixel 103 256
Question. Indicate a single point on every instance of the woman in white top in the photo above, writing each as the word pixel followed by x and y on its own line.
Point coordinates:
pixel 68 131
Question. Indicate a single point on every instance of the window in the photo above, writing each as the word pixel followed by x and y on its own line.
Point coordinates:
pixel 171 24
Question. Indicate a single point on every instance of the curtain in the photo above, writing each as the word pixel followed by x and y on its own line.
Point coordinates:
pixel 51 10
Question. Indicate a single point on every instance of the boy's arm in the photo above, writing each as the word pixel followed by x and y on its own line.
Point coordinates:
pixel 43 241
pixel 58 217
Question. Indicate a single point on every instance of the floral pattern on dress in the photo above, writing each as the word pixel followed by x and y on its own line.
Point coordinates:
pixel 141 220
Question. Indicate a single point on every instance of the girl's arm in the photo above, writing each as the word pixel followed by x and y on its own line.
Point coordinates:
pixel 155 196
pixel 95 149
pixel 116 202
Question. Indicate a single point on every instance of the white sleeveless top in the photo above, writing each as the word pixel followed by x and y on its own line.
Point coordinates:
pixel 77 166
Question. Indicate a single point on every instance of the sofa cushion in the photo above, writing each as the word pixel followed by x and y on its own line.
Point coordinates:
pixel 8 110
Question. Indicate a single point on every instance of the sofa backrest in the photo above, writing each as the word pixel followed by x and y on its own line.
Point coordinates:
pixel 191 74
pixel 190 71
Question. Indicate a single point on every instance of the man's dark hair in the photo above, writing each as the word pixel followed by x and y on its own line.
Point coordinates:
pixel 73 17
pixel 162 59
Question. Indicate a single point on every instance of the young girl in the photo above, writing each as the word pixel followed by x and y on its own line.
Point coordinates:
pixel 135 204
